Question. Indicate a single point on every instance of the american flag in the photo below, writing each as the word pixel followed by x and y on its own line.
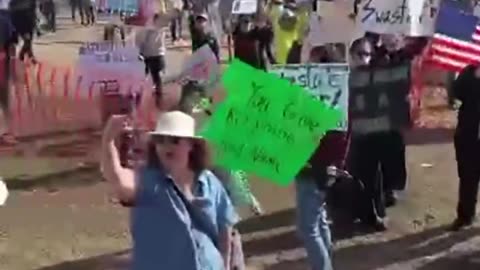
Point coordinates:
pixel 456 42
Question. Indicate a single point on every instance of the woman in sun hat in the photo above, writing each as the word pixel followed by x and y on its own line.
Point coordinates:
pixel 182 217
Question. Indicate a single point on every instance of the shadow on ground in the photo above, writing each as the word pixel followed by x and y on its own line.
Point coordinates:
pixel 401 250
pixel 286 239
pixel 115 261
pixel 359 257
pixel 469 261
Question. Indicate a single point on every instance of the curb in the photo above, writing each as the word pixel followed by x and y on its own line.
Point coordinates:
pixel 60 178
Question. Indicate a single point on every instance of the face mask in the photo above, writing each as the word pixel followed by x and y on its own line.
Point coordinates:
pixel 361 60
pixel 245 27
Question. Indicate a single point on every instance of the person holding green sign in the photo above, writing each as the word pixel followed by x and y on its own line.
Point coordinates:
pixel 312 185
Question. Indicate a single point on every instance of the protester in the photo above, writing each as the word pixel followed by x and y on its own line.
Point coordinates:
pixel 77 5
pixel 252 42
pixel 311 186
pixel 201 35
pixel 289 23
pixel 114 32
pixel 365 152
pixel 393 50
pixel 176 24
pixel 182 217
pixel 48 10
pixel 467 144
pixel 8 40
pixel 151 43
pixel 245 46
pixel 23 14
pixel 90 10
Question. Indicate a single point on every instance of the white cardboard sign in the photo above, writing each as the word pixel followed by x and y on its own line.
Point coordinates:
pixel 244 6
pixel 408 17
pixel 332 16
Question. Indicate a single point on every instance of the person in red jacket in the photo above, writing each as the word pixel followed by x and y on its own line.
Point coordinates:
pixel 311 188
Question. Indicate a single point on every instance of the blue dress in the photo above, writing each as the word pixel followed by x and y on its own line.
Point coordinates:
pixel 164 235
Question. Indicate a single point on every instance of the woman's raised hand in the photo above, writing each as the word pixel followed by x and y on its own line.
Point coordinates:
pixel 116 125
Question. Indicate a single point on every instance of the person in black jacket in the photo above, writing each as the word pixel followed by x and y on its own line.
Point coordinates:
pixel 200 35
pixel 467 144
pixel 253 42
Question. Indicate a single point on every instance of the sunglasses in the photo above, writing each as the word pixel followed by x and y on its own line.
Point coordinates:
pixel 167 140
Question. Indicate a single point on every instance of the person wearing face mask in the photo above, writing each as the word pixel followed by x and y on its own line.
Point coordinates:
pixel 252 42
pixel 394 50
pixel 364 155
pixel 245 41
pixel 201 35
pixel 290 22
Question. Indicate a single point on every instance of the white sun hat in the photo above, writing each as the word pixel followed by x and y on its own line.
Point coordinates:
pixel 3 192
pixel 175 124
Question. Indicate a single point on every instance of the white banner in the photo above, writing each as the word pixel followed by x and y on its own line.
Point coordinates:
pixel 327 82
pixel 244 6
pixel 408 17
pixel 99 61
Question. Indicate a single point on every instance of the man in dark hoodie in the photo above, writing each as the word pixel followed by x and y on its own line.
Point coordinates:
pixel 467 144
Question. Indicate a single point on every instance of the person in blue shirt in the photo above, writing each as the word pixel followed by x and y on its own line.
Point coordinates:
pixel 182 217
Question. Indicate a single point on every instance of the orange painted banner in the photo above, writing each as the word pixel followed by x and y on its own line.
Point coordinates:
pixel 45 99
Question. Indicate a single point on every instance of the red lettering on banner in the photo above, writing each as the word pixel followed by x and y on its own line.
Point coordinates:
pixel 78 87
pixel 90 91
pixel 66 83
pixel 39 78
pixel 26 76
pixel 53 75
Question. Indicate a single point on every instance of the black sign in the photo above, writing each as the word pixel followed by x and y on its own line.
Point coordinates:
pixel 379 99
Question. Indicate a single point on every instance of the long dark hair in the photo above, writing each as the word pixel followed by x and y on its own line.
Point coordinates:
pixel 198 160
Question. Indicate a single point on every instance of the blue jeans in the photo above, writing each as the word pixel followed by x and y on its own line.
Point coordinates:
pixel 312 224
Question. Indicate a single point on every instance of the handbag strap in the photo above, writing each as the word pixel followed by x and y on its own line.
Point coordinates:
pixel 196 216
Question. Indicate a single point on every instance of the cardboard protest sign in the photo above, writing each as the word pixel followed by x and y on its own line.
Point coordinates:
pixel 244 6
pixel 129 6
pixel 202 66
pixel 332 16
pixel 100 61
pixel 379 99
pixel 326 82
pixel 266 125
pixel 408 17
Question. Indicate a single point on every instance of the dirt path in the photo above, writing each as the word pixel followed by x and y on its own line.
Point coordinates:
pixel 40 228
